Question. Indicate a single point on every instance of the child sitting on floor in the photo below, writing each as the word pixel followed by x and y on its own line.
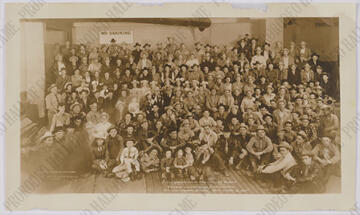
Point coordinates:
pixel 99 152
pixel 166 167
pixel 190 169
pixel 129 157
pixel 180 164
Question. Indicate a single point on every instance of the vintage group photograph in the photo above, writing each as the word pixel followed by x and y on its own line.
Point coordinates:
pixel 181 105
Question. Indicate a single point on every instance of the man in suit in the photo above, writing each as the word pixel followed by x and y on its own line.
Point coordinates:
pixel 136 53
pixel 293 75
pixel 314 61
pixel 84 100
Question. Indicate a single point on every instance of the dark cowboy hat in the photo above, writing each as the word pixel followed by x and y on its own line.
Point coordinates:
pixel 315 54
pixel 226 130
pixel 267 115
pixel 137 44
pixel 145 68
pixel 146 44
pixel 208 45
pixel 192 67
pixel 113 40
pixel 324 73
pixel 318 67
pixel 184 65
pixel 167 65
pixel 111 128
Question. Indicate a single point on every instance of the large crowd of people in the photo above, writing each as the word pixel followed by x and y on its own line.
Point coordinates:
pixel 190 112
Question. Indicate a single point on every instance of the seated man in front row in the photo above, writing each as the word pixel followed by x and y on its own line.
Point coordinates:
pixel 259 148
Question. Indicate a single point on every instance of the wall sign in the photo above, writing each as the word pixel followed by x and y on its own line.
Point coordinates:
pixel 119 36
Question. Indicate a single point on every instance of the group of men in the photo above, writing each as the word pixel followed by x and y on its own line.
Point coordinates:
pixel 263 109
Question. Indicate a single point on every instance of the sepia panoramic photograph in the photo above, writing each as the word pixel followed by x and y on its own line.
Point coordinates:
pixel 181 105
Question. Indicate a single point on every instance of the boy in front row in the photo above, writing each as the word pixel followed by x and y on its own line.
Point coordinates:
pixel 167 167
pixel 129 158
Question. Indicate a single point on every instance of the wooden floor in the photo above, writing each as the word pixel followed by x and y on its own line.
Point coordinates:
pixel 236 183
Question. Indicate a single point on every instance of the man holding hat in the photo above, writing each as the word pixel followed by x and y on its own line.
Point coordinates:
pixel 136 53
pixel 277 172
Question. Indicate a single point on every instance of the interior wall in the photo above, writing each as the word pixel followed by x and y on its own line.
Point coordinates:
pixel 222 31
pixel 52 38
pixel 274 30
pixel 32 63
pixel 225 33
pixel 86 32
pixel 322 35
